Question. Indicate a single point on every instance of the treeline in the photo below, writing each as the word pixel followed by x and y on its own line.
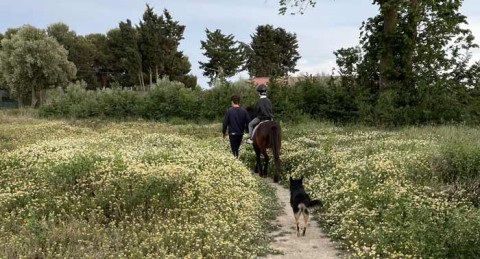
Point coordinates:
pixel 342 100
pixel 134 56
pixel 323 98
pixel 413 66
pixel 166 100
pixel 128 55
pixel 33 60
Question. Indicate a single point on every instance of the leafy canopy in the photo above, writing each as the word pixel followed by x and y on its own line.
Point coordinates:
pixel 226 55
pixel 31 61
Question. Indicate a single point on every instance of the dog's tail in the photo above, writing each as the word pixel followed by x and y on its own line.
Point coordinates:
pixel 302 207
pixel 315 203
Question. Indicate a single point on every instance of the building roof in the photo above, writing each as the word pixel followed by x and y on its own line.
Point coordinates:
pixel 259 80
pixel 291 80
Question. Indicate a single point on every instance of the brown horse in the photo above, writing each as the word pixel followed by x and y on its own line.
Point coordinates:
pixel 267 135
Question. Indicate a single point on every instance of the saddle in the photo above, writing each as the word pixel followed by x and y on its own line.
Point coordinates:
pixel 256 126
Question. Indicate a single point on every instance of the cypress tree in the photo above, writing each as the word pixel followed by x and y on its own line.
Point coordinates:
pixel 273 52
pixel 226 56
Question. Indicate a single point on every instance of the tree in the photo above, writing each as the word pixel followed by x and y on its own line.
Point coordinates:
pixel 441 42
pixel 389 12
pixel 131 60
pixel 189 81
pixel 80 51
pixel 397 35
pixel 127 61
pixel 102 60
pixel 10 32
pixel 429 60
pixel 226 56
pixel 347 61
pixel 62 33
pixel 273 52
pixel 159 39
pixel 428 42
pixel 150 42
pixel 1 79
pixel 178 70
pixel 176 64
pixel 31 62
pixel 300 5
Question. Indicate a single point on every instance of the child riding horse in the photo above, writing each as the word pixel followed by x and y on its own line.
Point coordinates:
pixel 267 135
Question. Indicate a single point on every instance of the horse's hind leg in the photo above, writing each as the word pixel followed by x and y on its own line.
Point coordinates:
pixel 265 165
pixel 276 177
pixel 258 162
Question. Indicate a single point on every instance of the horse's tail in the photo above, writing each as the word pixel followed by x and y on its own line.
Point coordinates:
pixel 276 143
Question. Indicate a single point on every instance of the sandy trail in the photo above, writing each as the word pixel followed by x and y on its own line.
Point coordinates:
pixel 315 244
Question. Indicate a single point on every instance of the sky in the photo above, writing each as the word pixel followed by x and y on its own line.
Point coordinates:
pixel 330 25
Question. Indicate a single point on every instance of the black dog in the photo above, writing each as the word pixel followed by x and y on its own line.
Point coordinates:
pixel 301 202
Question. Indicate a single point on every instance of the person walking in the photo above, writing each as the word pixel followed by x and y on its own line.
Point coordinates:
pixel 236 120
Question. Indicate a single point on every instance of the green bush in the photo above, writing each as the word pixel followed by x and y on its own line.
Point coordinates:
pixel 315 97
pixel 457 164
pixel 375 205
pixel 165 100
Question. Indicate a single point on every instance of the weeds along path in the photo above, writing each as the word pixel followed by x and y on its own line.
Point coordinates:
pixel 315 244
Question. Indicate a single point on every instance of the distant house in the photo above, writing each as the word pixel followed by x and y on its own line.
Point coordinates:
pixel 259 80
pixel 291 80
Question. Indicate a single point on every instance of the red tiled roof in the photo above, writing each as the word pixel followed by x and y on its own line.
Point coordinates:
pixel 260 80
pixel 291 80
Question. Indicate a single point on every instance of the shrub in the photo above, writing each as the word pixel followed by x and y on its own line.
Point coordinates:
pixel 374 207
pixel 165 100
pixel 126 190
pixel 457 164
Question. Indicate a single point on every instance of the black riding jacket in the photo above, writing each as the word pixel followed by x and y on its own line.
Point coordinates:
pixel 264 109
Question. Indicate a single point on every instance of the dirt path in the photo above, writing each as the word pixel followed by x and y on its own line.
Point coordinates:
pixel 314 244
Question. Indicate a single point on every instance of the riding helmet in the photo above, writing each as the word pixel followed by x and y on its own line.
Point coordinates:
pixel 261 88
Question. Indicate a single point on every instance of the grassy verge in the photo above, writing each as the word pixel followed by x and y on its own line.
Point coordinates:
pixel 389 193
pixel 81 189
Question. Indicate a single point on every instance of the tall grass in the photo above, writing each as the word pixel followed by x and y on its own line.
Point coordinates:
pixel 397 193
pixel 93 189
pixel 392 194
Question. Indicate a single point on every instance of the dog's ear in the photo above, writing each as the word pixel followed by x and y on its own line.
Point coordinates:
pixel 301 179
pixel 291 179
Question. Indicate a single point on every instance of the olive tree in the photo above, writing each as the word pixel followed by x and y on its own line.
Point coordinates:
pixel 31 62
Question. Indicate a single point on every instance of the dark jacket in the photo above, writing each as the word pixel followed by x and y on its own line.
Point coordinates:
pixel 236 119
pixel 264 109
